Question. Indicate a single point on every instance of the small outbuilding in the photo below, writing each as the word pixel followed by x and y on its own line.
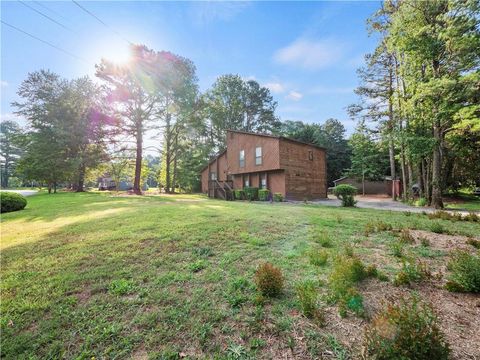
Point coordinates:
pixel 368 187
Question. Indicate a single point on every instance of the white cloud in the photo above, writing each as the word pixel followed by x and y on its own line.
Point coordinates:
pixel 275 87
pixel 294 95
pixel 311 54
pixel 12 117
pixel 203 13
pixel 4 83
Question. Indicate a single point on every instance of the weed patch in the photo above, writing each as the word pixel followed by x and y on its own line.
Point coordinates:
pixel 464 272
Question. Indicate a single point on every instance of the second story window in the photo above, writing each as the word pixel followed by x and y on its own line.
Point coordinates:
pixel 241 158
pixel 258 155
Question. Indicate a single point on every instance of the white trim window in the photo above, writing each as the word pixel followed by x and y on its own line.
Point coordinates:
pixel 241 158
pixel 258 155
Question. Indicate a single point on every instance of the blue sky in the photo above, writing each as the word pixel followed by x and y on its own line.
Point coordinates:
pixel 305 52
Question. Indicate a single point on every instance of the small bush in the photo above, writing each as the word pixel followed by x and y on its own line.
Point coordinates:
pixel 474 243
pixel 379 226
pixel 347 270
pixel 424 242
pixel 278 197
pixel 251 193
pixel 456 216
pixel 464 272
pixel 406 237
pixel 323 238
pixel 421 202
pixel 263 194
pixel 411 271
pixel 471 216
pixel 197 265
pixel 318 257
pixel 269 280
pixel 307 296
pixel 11 202
pixel 346 194
pixel 239 194
pixel 438 228
pixel 409 330
pixel 397 248
pixel 120 287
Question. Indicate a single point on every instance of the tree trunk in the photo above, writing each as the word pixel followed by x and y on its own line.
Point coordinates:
pixel 410 177
pixel 138 161
pixel 174 178
pixel 167 154
pixel 437 202
pixel 404 173
pixel 49 187
pixel 421 185
pixel 391 152
pixel 54 187
pixel 81 178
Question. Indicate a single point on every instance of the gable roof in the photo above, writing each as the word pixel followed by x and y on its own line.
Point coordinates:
pixel 214 158
pixel 276 137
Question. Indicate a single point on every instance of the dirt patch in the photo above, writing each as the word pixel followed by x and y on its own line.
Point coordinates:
pixel 442 241
pixel 140 353
pixel 83 297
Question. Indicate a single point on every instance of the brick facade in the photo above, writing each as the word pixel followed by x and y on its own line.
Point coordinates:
pixel 294 169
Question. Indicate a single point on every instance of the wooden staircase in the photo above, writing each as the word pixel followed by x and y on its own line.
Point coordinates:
pixel 221 189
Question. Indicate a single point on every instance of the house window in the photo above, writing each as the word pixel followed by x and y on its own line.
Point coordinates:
pixel 246 181
pixel 258 155
pixel 310 155
pixel 213 176
pixel 263 181
pixel 242 158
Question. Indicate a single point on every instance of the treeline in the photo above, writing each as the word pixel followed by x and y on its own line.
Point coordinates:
pixel 420 96
pixel 79 131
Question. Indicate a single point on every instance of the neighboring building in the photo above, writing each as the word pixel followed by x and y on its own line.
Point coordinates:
pixel 381 187
pixel 295 169
pixel 107 183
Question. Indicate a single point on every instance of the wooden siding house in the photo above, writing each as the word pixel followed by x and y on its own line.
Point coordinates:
pixel 292 168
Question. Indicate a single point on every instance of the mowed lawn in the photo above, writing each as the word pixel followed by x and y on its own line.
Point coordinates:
pixel 167 277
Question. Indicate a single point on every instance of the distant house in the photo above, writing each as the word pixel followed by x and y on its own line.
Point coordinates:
pixel 292 168
pixel 107 183
pixel 368 187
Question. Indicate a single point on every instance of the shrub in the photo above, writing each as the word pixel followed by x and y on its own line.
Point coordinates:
pixel 425 242
pixel 318 257
pixel 345 193
pixel 411 271
pixel 438 228
pixel 474 243
pixel 421 202
pixel 471 216
pixel 278 197
pixel 120 287
pixel 379 226
pixel 197 265
pixel 406 237
pixel 397 248
pixel 323 238
pixel 251 193
pixel 409 330
pixel 269 280
pixel 12 202
pixel 465 272
pixel 307 296
pixel 239 194
pixel 263 194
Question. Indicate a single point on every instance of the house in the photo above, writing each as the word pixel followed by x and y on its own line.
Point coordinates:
pixel 107 183
pixel 368 187
pixel 292 168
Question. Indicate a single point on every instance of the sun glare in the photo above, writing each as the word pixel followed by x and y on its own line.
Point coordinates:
pixel 119 54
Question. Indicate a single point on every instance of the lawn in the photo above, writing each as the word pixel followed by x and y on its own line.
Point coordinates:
pixel 167 277
pixel 463 201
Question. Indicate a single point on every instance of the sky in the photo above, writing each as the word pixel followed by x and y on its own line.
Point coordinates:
pixel 306 53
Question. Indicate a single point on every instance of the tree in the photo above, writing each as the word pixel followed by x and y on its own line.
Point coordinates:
pixel 235 104
pixel 145 90
pixel 10 149
pixel 369 162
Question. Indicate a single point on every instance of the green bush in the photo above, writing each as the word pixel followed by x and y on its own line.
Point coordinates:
pixel 251 193
pixel 307 296
pixel 12 202
pixel 318 257
pixel 121 287
pixel 263 194
pixel 411 271
pixel 278 197
pixel 409 330
pixel 239 194
pixel 421 202
pixel 269 280
pixel 345 193
pixel 474 243
pixel 438 228
pixel 464 272
pixel 323 238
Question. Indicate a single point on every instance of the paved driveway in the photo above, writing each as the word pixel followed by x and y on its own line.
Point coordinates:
pixel 380 203
pixel 23 192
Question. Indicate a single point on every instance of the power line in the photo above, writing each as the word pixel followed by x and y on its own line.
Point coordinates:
pixel 46 16
pixel 45 42
pixel 52 11
pixel 102 22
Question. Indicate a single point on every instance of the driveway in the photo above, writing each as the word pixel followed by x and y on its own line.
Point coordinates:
pixel 23 192
pixel 381 203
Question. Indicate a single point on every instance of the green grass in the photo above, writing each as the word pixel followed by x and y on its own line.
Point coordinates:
pixel 94 275
pixel 464 201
